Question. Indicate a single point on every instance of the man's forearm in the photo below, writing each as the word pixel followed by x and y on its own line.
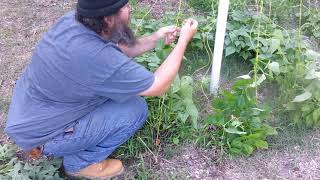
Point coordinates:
pixel 142 45
pixel 170 67
pixel 167 72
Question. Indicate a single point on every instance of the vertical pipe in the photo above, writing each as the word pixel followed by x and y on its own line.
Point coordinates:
pixel 218 47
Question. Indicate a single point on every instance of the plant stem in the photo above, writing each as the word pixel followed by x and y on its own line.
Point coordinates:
pixel 178 18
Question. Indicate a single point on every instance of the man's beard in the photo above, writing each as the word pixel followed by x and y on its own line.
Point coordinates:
pixel 122 34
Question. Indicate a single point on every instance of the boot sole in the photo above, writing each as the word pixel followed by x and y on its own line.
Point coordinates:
pixel 75 176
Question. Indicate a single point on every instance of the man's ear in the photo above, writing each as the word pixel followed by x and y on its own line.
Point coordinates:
pixel 109 20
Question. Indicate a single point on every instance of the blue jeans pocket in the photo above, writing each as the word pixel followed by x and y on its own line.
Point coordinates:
pixel 64 144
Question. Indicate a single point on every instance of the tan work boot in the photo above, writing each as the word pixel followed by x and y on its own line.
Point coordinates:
pixel 105 169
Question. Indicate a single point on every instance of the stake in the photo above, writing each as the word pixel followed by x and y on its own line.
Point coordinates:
pixel 218 46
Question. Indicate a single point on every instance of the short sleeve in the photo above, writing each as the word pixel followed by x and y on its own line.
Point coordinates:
pixel 129 80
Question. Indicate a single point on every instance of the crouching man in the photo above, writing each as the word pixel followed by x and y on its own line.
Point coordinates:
pixel 80 96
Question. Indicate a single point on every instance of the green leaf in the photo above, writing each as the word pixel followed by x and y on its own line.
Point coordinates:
pixel 291 106
pixel 312 54
pixel 255 122
pixel 268 130
pixel 307 108
pixel 247 149
pixel 176 84
pixel 316 115
pixel 244 77
pixel 163 53
pixel 274 66
pixel 227 41
pixel 241 101
pixel 236 142
pixel 160 54
pixel 175 140
pixel 160 45
pixel 153 65
pixel 302 97
pixel 186 89
pixel 192 111
pixel 259 81
pixel 230 50
pixel 257 111
pixel 197 36
pixel 274 45
pixel 235 151
pixel 309 121
pixel 278 34
pixel 312 74
pixel 183 117
pixel 234 131
pixel 245 54
pixel 236 123
pixel 242 83
pixel 214 119
pixel 265 43
pixel 261 144
pixel 255 136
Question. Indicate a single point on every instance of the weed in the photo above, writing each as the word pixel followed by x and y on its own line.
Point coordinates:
pixel 142 172
pixel 237 124
pixel 4 105
pixel 13 168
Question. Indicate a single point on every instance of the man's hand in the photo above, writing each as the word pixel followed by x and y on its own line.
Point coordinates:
pixel 169 33
pixel 168 70
pixel 188 30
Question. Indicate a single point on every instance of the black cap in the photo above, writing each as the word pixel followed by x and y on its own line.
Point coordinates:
pixel 96 8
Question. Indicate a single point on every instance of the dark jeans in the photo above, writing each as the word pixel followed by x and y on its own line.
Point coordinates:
pixel 98 134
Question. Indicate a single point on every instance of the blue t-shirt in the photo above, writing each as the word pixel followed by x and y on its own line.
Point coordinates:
pixel 73 70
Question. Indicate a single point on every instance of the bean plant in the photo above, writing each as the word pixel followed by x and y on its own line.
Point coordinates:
pixel 237 126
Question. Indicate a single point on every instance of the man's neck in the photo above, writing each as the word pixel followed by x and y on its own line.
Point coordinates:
pixel 104 35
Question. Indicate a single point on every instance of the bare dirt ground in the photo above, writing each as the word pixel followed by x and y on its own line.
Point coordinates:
pixel 23 22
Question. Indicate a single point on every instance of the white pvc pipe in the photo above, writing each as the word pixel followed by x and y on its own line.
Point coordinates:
pixel 218 46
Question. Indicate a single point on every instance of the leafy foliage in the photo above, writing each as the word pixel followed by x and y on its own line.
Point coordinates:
pixel 181 91
pixel 250 34
pixel 168 120
pixel 304 108
pixel 237 124
pixel 209 5
pixel 204 5
pixel 13 168
pixel 237 121
pixel 312 24
pixel 281 56
pixel 172 116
